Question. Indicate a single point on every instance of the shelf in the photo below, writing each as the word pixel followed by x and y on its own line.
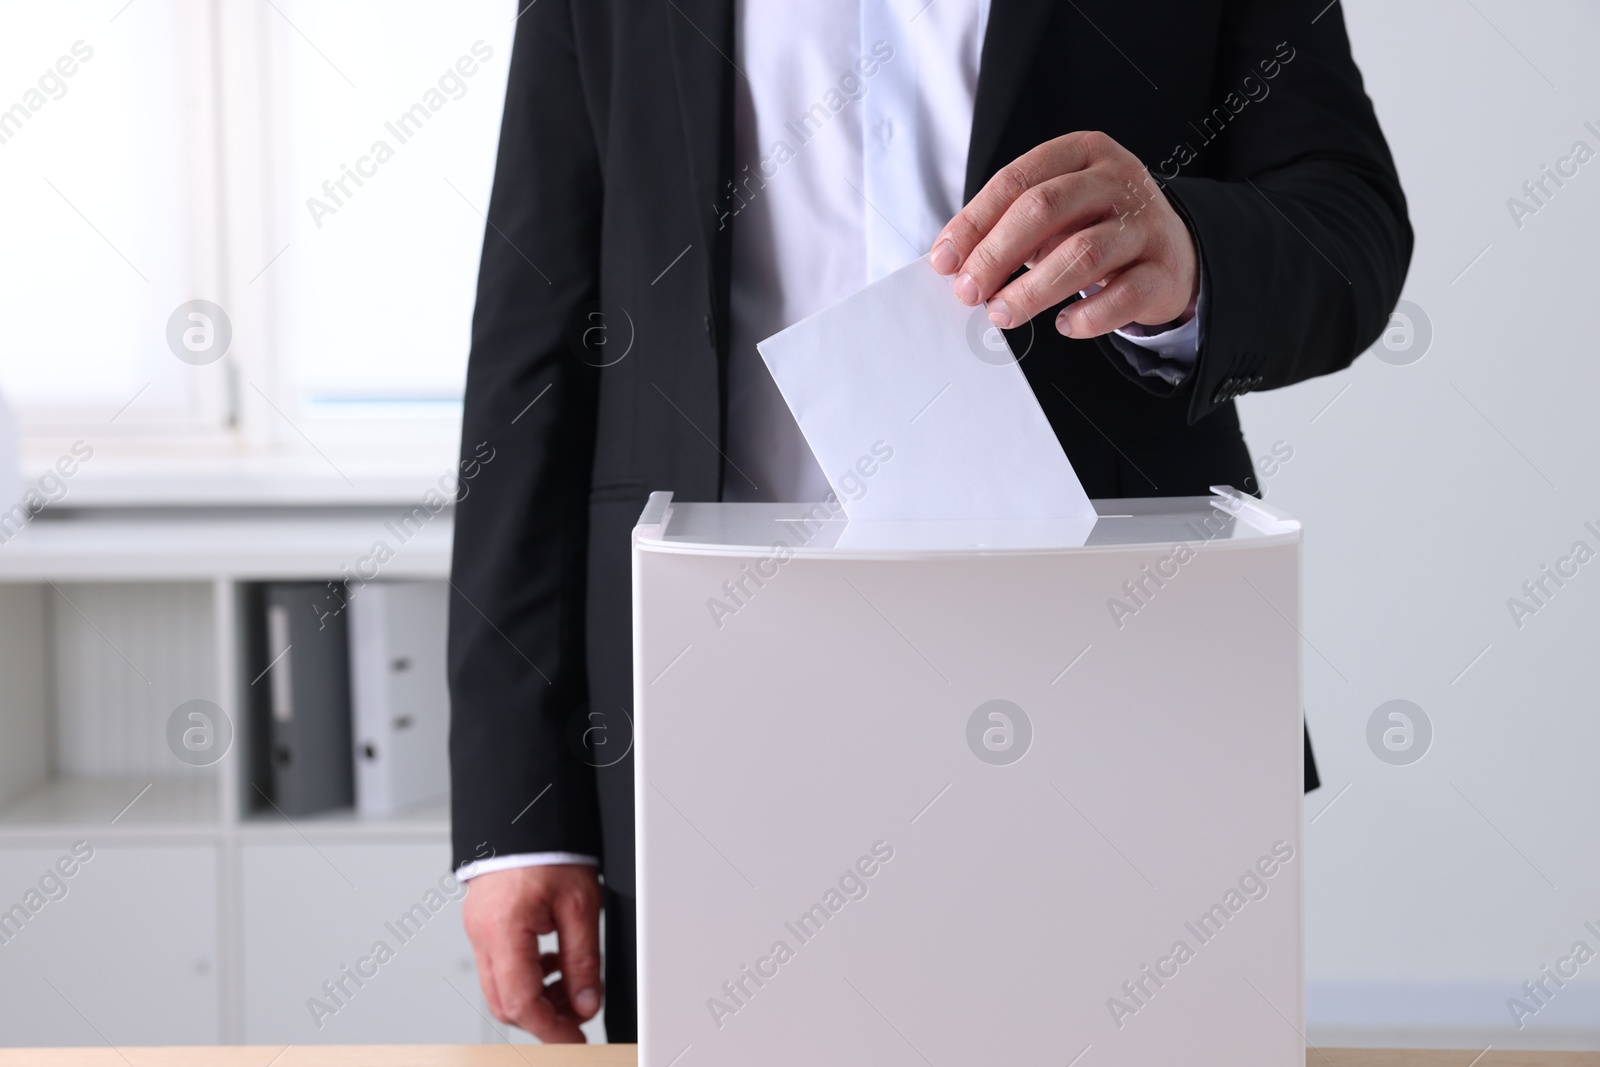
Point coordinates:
pixel 209 473
pixel 424 821
pixel 107 806
pixel 190 806
pixel 263 544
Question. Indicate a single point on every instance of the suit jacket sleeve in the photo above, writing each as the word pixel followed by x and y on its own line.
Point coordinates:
pixel 1299 218
pixel 516 615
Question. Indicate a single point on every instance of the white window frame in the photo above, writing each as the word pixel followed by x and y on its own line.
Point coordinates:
pixel 246 436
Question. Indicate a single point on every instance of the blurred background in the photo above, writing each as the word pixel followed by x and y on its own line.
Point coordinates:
pixel 233 337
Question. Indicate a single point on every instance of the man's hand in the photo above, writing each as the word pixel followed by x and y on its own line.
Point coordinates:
pixel 505 912
pixel 1077 210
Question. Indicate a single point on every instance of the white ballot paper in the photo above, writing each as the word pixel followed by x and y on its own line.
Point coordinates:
pixel 916 409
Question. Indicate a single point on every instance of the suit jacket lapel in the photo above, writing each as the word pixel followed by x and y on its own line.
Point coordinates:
pixel 1009 43
pixel 699 30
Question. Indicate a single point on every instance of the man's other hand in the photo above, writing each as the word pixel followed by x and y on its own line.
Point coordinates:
pixel 1077 210
pixel 505 912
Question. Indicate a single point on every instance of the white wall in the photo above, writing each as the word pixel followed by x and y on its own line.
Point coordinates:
pixel 1430 493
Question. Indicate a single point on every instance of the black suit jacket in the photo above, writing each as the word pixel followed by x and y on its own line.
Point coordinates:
pixel 616 155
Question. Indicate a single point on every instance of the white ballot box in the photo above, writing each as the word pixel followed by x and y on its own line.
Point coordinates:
pixel 956 793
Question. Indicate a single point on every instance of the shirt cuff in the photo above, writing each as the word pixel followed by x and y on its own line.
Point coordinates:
pixel 1168 354
pixel 521 859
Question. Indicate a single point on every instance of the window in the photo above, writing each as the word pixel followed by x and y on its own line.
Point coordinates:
pixel 315 173
pixel 105 174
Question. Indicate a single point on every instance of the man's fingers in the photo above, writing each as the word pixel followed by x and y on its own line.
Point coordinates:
pixel 505 914
pixel 556 993
pixel 1126 298
pixel 519 983
pixel 577 916
pixel 1082 259
pixel 1054 206
pixel 1048 245
pixel 961 235
pixel 491 995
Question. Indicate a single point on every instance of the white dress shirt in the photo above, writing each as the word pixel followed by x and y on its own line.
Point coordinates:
pixel 851 124
pixel 865 192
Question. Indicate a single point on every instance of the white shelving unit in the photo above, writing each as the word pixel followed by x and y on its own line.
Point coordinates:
pixel 200 917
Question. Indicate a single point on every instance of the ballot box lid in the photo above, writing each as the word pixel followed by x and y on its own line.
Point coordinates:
pixel 1225 518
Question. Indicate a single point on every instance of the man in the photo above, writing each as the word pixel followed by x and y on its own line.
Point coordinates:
pixel 677 180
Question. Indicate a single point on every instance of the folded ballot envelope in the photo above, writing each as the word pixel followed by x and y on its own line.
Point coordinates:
pixel 916 409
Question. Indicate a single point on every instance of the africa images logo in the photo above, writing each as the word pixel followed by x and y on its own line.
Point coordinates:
pixel 999 732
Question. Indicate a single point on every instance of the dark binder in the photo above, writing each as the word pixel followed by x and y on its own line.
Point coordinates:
pixel 309 648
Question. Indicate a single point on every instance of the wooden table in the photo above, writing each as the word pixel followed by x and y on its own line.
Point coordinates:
pixel 624 1056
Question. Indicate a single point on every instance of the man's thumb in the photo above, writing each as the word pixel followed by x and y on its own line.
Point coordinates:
pixel 577 917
